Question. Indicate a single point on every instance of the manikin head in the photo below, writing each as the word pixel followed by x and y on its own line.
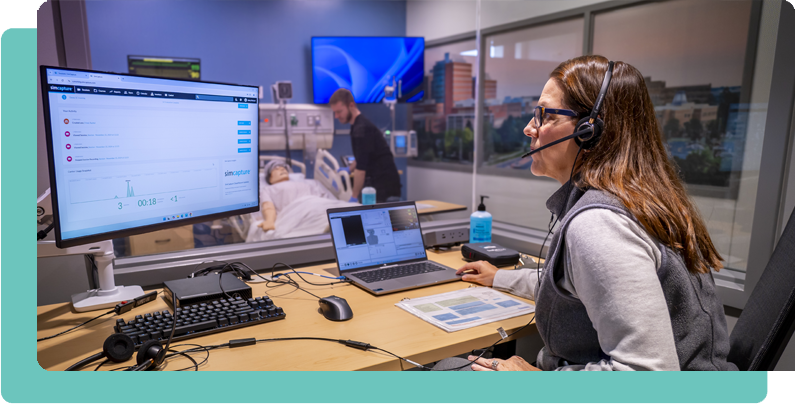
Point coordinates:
pixel 276 172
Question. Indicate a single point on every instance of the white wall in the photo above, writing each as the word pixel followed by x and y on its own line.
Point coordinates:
pixel 434 19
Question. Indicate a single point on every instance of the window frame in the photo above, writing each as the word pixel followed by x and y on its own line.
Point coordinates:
pixel 734 287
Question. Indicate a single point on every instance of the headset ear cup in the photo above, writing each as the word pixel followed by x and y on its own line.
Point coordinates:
pixel 146 351
pixel 118 348
pixel 587 142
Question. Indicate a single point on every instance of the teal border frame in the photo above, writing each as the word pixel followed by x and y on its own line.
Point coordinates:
pixel 25 381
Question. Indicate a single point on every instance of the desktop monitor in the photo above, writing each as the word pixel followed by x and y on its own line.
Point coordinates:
pixel 366 65
pixel 130 154
pixel 156 66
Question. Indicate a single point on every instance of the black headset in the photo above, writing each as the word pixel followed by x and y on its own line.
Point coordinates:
pixel 120 348
pixel 589 129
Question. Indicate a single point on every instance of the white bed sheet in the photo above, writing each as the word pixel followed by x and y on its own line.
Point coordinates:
pixel 298 213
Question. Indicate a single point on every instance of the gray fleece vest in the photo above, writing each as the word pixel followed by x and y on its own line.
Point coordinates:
pixel 697 318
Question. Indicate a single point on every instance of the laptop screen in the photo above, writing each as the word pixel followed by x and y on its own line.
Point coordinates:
pixel 370 237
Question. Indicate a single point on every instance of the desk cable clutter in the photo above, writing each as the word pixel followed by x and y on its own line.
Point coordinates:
pixel 152 355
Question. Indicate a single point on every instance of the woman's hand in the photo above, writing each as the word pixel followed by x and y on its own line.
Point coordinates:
pixel 478 272
pixel 512 363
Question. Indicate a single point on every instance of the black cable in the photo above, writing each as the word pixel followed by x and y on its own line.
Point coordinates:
pixel 43 233
pixel 100 364
pixel 193 273
pixel 484 351
pixel 302 278
pixel 195 364
pixel 339 341
pixel 75 327
pixel 173 328
pixel 292 282
pixel 560 212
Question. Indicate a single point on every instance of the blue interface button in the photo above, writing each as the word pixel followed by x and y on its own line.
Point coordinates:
pixel 243 141
pixel 244 106
pixel 244 150
pixel 244 123
pixel 244 132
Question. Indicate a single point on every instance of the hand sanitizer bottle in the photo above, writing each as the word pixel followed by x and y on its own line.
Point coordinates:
pixel 368 194
pixel 480 224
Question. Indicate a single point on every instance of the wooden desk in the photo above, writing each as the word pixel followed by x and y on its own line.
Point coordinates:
pixel 438 207
pixel 376 320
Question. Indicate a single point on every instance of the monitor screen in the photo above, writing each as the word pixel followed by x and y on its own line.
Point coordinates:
pixel 369 237
pixel 168 67
pixel 129 154
pixel 365 65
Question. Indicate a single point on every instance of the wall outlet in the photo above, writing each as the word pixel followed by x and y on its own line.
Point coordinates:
pixel 446 237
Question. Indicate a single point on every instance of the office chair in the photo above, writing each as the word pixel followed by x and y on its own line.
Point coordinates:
pixel 766 324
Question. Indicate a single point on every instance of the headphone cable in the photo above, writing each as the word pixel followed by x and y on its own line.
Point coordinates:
pixel 560 212
pixel 75 327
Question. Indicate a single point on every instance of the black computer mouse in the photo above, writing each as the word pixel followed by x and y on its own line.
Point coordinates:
pixel 335 308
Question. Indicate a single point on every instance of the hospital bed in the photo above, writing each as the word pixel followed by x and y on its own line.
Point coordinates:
pixel 326 171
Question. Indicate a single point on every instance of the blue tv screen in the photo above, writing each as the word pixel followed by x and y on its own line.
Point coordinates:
pixel 365 65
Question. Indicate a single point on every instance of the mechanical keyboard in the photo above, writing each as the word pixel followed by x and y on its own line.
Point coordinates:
pixel 399 271
pixel 200 319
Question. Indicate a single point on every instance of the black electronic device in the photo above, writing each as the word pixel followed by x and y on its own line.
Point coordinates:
pixel 347 160
pixel 167 67
pixel 335 308
pixel 494 254
pixel 200 319
pixel 202 289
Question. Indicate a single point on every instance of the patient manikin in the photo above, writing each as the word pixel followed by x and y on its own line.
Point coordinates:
pixel 282 192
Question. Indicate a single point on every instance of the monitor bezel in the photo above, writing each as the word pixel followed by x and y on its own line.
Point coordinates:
pixel 385 205
pixel 61 243
pixel 312 63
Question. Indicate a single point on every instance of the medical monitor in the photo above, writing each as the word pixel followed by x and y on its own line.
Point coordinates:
pixel 373 235
pixel 365 65
pixel 130 154
pixel 167 67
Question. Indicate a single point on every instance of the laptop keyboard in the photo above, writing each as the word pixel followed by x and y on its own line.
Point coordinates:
pixel 401 271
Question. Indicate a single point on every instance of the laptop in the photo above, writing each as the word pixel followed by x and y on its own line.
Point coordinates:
pixel 380 248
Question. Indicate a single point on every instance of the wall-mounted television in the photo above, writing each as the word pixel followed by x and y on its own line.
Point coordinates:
pixel 365 65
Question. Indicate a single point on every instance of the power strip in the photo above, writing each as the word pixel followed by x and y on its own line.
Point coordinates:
pixel 442 238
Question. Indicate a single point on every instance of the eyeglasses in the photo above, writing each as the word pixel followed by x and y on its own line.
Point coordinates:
pixel 538 114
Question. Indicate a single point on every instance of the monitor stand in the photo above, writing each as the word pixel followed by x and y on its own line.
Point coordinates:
pixel 108 295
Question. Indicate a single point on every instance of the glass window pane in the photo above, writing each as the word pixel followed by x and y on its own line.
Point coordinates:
pixel 443 121
pixel 692 54
pixel 518 66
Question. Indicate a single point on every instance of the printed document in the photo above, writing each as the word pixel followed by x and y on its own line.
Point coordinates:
pixel 466 308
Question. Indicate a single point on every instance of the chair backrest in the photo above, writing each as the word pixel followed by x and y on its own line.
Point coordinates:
pixel 768 320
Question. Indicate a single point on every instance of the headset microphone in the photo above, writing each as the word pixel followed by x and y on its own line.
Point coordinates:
pixel 563 139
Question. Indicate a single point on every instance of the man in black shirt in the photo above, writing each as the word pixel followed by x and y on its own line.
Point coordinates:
pixel 375 165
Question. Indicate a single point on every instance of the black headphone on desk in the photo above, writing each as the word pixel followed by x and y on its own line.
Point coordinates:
pixel 150 356
pixel 117 348
pixel 120 348
pixel 589 129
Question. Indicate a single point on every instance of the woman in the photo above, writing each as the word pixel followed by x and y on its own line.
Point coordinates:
pixel 627 282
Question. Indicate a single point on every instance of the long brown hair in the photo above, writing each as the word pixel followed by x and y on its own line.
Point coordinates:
pixel 630 161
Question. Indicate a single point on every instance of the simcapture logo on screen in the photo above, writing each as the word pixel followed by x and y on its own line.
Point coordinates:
pixel 236 173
